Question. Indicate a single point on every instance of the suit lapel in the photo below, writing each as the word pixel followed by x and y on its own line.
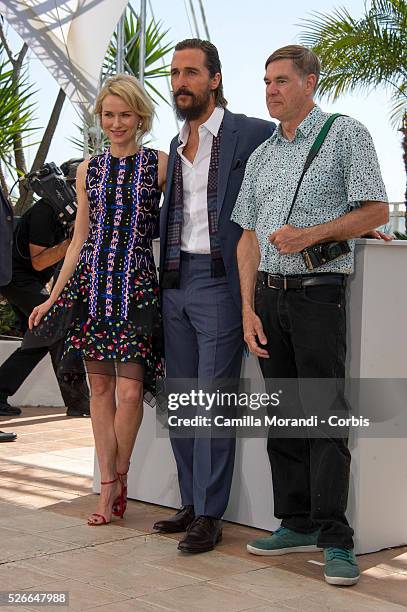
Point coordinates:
pixel 168 187
pixel 166 203
pixel 227 149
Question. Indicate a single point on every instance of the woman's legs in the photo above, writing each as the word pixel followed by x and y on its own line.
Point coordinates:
pixel 129 415
pixel 102 410
pixel 115 430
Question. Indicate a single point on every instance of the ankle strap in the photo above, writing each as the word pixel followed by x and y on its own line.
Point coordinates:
pixel 108 482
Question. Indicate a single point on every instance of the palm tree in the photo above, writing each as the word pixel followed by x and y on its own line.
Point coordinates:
pixel 155 68
pixel 18 81
pixel 361 54
pixel 16 114
pixel 156 50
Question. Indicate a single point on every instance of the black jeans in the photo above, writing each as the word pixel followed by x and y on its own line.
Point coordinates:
pixel 306 333
pixel 13 372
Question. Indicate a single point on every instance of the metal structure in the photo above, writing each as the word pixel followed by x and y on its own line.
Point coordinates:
pixel 142 54
pixel 120 45
pixel 142 19
pixel 205 23
pixel 191 6
pixel 69 38
pixel 195 30
pixel 121 64
pixel 64 38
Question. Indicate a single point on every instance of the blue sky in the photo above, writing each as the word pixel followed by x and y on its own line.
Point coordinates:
pixel 245 34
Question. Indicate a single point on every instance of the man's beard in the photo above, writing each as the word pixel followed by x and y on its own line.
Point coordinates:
pixel 198 107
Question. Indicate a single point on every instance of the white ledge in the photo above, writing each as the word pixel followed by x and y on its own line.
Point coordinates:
pixel 381 243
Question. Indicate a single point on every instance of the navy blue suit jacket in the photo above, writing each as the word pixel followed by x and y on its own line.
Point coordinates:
pixel 241 135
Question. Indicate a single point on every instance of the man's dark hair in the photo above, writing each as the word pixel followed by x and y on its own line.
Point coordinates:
pixel 305 61
pixel 212 62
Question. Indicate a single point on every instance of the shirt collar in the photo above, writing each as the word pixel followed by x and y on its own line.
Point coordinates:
pixel 306 125
pixel 310 121
pixel 212 124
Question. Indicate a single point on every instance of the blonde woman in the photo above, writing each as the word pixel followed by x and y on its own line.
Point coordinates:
pixel 105 301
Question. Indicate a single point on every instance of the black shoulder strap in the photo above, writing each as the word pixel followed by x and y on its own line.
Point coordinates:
pixel 313 153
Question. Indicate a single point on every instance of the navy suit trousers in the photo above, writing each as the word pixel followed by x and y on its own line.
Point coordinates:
pixel 203 341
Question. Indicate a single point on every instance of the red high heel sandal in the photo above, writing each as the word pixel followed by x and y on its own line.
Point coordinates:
pixel 104 521
pixel 120 503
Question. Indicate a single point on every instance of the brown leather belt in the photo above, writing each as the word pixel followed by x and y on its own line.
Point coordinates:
pixel 277 281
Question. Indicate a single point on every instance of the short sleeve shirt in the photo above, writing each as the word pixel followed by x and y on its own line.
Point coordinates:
pixel 344 173
pixel 39 226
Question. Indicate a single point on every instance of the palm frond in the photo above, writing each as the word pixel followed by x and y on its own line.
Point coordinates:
pixel 156 50
pixel 78 141
pixel 398 106
pixel 150 86
pixel 361 54
pixel 16 110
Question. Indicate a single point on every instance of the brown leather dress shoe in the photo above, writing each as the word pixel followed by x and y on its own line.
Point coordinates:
pixel 180 522
pixel 203 534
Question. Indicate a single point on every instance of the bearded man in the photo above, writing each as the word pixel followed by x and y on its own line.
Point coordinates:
pixel 199 275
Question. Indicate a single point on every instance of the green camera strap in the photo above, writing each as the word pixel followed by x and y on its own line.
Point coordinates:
pixel 313 152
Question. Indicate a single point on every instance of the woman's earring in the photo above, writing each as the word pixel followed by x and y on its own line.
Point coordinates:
pixel 140 123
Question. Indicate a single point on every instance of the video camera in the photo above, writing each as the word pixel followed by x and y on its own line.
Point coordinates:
pixel 50 183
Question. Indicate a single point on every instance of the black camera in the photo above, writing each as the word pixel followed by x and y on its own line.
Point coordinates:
pixel 320 254
pixel 50 183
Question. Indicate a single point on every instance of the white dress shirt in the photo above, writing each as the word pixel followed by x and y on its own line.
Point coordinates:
pixel 195 228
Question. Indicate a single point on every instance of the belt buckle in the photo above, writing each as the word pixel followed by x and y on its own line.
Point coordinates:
pixel 271 285
pixel 270 282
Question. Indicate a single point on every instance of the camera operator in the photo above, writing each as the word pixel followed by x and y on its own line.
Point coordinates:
pixel 40 243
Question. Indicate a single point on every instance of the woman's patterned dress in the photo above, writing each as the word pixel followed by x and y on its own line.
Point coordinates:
pixel 108 312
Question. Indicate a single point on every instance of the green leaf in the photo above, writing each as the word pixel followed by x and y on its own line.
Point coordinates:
pixel 156 50
pixel 16 110
pixel 361 54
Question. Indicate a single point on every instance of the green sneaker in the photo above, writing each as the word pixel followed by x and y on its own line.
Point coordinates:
pixel 284 541
pixel 341 567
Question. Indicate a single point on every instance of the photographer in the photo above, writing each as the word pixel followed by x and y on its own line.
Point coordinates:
pixel 40 243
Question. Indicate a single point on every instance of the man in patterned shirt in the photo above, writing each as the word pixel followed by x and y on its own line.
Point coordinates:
pixel 296 325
